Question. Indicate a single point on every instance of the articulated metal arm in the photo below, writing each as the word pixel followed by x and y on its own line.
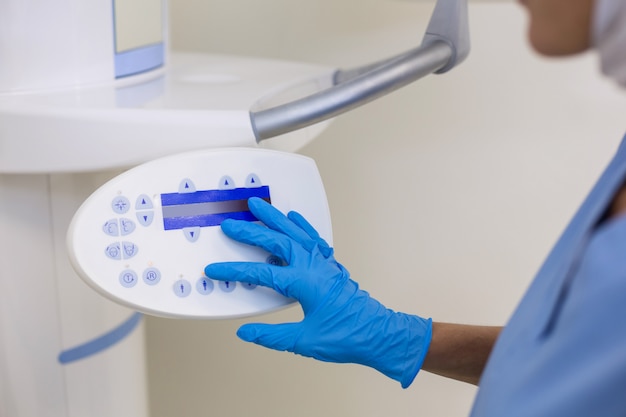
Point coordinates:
pixel 445 45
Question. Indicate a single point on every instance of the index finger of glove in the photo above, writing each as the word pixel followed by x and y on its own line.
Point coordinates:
pixel 276 220
pixel 250 272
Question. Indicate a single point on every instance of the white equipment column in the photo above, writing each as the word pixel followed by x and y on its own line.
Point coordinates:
pixel 64 350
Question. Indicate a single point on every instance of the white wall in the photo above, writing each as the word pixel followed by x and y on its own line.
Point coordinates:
pixel 445 196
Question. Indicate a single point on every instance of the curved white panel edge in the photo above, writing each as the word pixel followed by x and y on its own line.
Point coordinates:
pixel 201 101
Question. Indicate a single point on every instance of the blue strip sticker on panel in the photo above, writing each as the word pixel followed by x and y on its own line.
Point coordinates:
pixel 209 207
pixel 209 196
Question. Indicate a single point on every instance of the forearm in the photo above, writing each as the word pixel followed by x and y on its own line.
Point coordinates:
pixel 460 351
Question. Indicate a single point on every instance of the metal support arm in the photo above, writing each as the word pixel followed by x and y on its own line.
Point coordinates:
pixel 445 45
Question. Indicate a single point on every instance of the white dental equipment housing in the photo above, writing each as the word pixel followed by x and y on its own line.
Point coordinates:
pixel 89 88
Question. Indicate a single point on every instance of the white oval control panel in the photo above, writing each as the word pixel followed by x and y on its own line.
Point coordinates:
pixel 144 238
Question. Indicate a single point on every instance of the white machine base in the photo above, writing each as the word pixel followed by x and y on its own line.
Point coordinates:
pixel 64 350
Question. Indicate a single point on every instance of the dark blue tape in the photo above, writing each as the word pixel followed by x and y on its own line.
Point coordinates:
pixel 101 343
pixel 207 220
pixel 209 196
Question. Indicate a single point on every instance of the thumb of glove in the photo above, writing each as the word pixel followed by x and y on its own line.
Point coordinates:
pixel 274 336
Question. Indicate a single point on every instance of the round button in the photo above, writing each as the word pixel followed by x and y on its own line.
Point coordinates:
pixel 151 276
pixel 248 286
pixel 182 288
pixel 128 278
pixel 227 286
pixel 205 286
pixel 227 183
pixel 120 205
pixel 274 260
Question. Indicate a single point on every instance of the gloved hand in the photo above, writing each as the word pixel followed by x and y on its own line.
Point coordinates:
pixel 341 322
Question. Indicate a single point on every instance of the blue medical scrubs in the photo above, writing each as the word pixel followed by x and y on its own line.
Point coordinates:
pixel 563 353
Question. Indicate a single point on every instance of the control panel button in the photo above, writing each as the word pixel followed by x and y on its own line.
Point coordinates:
pixel 145 217
pixel 192 233
pixel 111 228
pixel 186 186
pixel 227 286
pixel 253 181
pixel 182 288
pixel 248 286
pixel 151 276
pixel 114 251
pixel 128 278
pixel 120 205
pixel 227 183
pixel 129 249
pixel 127 226
pixel 204 286
pixel 143 203
pixel 274 260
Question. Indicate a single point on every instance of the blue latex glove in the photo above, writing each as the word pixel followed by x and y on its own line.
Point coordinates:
pixel 341 322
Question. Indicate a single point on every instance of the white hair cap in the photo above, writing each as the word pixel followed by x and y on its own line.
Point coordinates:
pixel 609 38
